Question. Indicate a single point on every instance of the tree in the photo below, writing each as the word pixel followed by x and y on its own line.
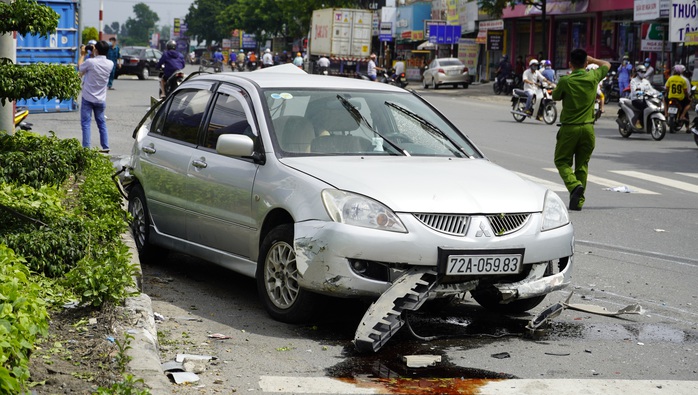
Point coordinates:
pixel 201 20
pixel 34 80
pixel 139 29
pixel 112 29
pixel 89 33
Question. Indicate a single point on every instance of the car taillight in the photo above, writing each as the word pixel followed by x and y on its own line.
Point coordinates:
pixel 441 71
pixel 465 70
pixel 133 60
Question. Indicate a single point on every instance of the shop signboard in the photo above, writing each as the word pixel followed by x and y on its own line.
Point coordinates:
pixel 249 41
pixel 683 18
pixel 468 50
pixel 497 24
pixel 646 10
pixel 495 40
pixel 652 37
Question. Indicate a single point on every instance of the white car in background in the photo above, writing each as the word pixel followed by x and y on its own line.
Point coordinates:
pixel 445 71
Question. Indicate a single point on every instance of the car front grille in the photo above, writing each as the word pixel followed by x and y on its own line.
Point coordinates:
pixel 452 224
pixel 504 224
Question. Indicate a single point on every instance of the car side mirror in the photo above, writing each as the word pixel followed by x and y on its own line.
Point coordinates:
pixel 235 145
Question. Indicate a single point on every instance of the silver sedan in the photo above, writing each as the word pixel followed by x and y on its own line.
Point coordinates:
pixel 446 71
pixel 347 189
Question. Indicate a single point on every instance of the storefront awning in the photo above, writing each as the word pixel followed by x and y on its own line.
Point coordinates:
pixel 426 45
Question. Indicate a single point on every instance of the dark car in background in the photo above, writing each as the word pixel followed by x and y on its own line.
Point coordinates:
pixel 140 61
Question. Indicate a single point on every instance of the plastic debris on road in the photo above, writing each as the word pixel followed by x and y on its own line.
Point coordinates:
pixel 621 188
pixel 421 361
pixel 183 377
pixel 219 336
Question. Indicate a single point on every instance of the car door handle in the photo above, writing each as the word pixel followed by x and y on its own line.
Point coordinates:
pixel 149 150
pixel 200 164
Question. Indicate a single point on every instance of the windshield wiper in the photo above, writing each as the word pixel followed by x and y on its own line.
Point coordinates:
pixel 429 127
pixel 359 118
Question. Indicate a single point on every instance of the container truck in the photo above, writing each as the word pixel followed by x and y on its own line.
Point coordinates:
pixel 344 36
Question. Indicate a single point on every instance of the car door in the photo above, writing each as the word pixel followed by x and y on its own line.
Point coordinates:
pixel 221 186
pixel 153 60
pixel 165 153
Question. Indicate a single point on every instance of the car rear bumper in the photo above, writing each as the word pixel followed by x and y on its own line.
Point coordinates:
pixel 452 79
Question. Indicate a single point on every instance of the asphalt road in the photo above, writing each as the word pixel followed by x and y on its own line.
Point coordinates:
pixel 637 247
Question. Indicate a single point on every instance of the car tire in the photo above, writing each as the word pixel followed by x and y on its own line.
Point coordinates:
pixel 424 83
pixel 465 86
pixel 277 279
pixel 140 225
pixel 433 84
pixel 490 303
pixel 144 74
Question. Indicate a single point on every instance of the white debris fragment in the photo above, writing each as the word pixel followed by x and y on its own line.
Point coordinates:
pixel 621 188
pixel 183 377
pixel 659 230
pixel 421 361
pixel 182 357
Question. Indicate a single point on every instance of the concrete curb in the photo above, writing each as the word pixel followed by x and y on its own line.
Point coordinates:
pixel 145 359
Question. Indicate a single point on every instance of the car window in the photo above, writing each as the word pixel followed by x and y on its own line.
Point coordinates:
pixel 184 115
pixel 157 53
pixel 433 64
pixel 451 62
pixel 149 53
pixel 130 51
pixel 327 122
pixel 227 117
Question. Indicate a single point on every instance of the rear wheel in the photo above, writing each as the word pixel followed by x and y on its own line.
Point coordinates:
pixel 672 123
pixel 624 127
pixel 658 129
pixel 144 74
pixel 497 88
pixel 465 86
pixel 277 279
pixel 140 224
pixel 519 106
pixel 550 113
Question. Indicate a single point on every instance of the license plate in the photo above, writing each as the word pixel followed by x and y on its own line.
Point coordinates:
pixel 453 72
pixel 673 110
pixel 510 81
pixel 480 262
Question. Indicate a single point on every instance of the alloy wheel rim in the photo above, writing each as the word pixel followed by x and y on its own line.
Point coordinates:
pixel 138 214
pixel 281 275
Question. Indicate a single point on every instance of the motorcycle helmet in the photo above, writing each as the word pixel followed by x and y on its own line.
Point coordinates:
pixel 533 62
pixel 641 69
pixel 267 50
pixel 679 69
pixel 592 67
pixel 242 50
pixel 171 44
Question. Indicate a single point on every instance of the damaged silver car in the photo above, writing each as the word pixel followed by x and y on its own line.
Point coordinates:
pixel 318 185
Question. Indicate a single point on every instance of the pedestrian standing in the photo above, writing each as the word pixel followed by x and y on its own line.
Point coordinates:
pixel 575 139
pixel 624 71
pixel 371 70
pixel 113 54
pixel 95 73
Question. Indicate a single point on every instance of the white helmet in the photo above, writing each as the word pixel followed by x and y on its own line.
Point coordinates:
pixel 592 67
pixel 533 62
pixel 267 50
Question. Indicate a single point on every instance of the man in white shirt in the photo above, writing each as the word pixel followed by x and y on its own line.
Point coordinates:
pixel 531 78
pixel 95 73
pixel 323 64
pixel 371 71
pixel 640 84
pixel 267 58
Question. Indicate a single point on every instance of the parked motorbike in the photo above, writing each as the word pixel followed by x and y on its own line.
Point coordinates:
pixel 543 107
pixel 610 88
pixel 21 114
pixel 505 85
pixel 674 109
pixel 648 120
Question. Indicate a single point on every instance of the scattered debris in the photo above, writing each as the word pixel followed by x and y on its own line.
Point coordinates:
pixel 587 351
pixel 182 357
pixel 553 311
pixel 163 280
pixel 659 230
pixel 172 366
pixel 558 354
pixel 92 321
pixel 219 336
pixel 195 365
pixel 183 377
pixel 111 339
pixel 501 355
pixel 158 317
pixel 421 361
pixel 195 319
pixel 621 188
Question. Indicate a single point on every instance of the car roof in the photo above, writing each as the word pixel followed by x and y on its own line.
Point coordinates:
pixel 290 76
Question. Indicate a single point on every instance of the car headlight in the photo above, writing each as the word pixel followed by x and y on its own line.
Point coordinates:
pixel 555 212
pixel 358 210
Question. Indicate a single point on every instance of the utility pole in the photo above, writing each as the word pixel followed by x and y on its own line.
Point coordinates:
pixel 544 48
pixel 7 50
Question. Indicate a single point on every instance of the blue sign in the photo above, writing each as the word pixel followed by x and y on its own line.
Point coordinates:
pixel 444 34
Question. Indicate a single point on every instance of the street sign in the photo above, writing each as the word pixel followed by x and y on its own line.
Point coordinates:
pixel 386 31
pixel 444 34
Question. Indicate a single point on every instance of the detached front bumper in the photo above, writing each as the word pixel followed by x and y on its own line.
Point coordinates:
pixel 328 255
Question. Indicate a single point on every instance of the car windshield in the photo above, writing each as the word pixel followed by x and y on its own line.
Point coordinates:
pixel 332 122
pixel 450 62
pixel 132 51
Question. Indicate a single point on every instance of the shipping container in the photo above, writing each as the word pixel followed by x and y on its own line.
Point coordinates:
pixel 60 47
pixel 341 33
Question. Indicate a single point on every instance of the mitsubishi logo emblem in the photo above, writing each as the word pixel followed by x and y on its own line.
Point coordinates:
pixel 483 231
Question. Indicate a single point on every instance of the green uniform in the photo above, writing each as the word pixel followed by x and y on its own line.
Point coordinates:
pixel 575 139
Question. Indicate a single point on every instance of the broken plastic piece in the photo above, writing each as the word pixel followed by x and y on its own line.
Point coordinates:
pixel 182 357
pixel 546 315
pixel 622 188
pixel 558 354
pixel 501 355
pixel 421 361
pixel 599 310
pixel 183 377
pixel 219 336
pixel 172 366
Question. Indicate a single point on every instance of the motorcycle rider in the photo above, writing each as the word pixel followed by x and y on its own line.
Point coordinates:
pixel 531 78
pixel 173 61
pixel 323 64
pixel 676 87
pixel 218 56
pixel 399 68
pixel 639 85
pixel 240 58
pixel 267 58
pixel 649 73
pixel 503 69
pixel 548 71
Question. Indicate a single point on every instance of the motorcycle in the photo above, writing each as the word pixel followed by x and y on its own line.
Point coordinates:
pixel 401 80
pixel 694 126
pixel 251 66
pixel 217 66
pixel 674 109
pixel 610 88
pixel 543 107
pixel 240 66
pixel 505 85
pixel 21 113
pixel 322 70
pixel 172 83
pixel 597 108
pixel 397 80
pixel 651 120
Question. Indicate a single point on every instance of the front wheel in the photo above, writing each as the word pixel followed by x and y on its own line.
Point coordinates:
pixel 465 86
pixel 497 88
pixel 277 279
pixel 520 107
pixel 658 129
pixel 201 69
pixel 695 138
pixel 550 113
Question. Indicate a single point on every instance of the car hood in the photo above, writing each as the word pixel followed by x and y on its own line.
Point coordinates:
pixel 428 185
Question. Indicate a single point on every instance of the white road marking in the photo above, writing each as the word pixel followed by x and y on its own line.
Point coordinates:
pixel 326 385
pixel 611 183
pixel 694 175
pixel 659 180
